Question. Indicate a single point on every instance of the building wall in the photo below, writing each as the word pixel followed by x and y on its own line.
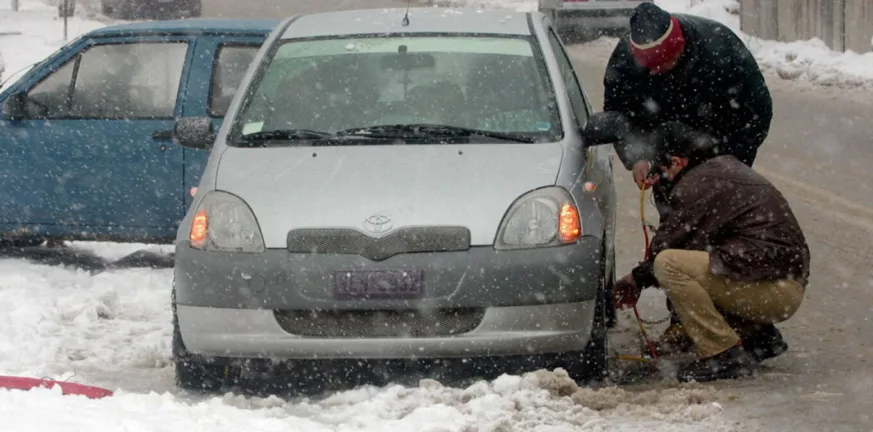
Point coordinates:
pixel 841 24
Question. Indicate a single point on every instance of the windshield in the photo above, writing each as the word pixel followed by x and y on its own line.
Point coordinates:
pixel 492 84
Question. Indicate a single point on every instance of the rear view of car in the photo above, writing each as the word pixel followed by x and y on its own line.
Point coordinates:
pixel 385 192
pixel 586 19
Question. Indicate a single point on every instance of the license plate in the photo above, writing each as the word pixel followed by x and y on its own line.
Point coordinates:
pixel 378 284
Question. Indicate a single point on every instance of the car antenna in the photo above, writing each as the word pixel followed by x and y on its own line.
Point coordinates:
pixel 406 15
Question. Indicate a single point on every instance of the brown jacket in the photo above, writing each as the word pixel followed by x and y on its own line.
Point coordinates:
pixel 725 208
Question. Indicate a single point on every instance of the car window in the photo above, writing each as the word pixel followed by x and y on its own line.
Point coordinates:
pixel 130 81
pixel 51 97
pixel 491 83
pixel 231 64
pixel 574 90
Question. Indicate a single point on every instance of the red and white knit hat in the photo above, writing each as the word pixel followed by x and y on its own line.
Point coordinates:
pixel 656 37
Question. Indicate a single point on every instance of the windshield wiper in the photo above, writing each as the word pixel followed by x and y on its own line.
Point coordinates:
pixel 258 138
pixel 430 130
pixel 318 137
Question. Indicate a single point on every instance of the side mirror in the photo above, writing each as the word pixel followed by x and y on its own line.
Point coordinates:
pixel 15 106
pixel 605 127
pixel 194 132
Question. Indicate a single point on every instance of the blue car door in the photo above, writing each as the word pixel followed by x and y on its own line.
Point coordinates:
pixel 94 154
pixel 221 65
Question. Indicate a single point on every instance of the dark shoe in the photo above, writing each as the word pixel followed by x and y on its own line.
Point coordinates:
pixel 764 341
pixel 734 363
pixel 674 340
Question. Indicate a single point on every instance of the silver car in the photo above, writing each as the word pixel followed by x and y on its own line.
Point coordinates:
pixel 392 187
pixel 587 19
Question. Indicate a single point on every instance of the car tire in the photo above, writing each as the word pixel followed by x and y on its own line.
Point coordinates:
pixel 193 373
pixel 611 311
pixel 592 364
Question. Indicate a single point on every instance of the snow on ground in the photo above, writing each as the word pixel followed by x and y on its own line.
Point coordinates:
pixel 64 323
pixel 809 60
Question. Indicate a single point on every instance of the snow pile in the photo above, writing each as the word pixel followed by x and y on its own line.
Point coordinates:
pixel 58 321
pixel 507 404
pixel 811 60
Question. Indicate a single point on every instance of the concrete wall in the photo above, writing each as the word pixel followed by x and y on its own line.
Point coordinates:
pixel 841 24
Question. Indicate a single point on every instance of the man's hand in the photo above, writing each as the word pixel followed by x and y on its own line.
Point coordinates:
pixel 641 171
pixel 626 293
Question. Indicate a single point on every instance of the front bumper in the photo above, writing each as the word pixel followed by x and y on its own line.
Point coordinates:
pixel 502 331
pixel 475 278
pixel 478 302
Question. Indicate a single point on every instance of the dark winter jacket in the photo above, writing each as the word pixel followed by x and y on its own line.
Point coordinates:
pixel 716 88
pixel 727 209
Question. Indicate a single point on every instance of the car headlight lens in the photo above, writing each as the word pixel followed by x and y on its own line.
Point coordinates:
pixel 542 218
pixel 225 223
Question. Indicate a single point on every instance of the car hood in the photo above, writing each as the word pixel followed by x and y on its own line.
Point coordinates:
pixel 341 187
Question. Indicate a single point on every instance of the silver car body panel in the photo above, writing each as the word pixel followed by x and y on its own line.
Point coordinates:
pixel 343 186
pixel 518 330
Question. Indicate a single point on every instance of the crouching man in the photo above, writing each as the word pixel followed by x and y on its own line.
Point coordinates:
pixel 731 250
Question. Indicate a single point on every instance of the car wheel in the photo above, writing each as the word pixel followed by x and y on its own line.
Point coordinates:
pixel 193 373
pixel 611 312
pixel 592 364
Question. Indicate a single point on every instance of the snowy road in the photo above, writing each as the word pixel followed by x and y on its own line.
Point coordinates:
pixel 113 329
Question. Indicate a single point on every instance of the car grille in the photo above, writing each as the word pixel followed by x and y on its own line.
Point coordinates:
pixel 404 240
pixel 380 323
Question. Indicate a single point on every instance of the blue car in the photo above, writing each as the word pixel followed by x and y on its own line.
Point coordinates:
pixel 87 147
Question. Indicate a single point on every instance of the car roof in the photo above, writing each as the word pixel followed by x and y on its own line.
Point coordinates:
pixel 189 26
pixel 421 20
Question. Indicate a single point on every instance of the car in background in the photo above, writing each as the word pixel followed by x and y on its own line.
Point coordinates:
pixel 151 9
pixel 86 149
pixel 589 19
pixel 398 191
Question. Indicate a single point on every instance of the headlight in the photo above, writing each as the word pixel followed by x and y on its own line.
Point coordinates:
pixel 542 218
pixel 225 223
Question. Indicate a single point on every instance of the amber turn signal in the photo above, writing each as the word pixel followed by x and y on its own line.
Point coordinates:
pixel 570 227
pixel 199 229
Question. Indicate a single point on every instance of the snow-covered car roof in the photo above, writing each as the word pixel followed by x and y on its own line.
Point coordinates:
pixel 421 20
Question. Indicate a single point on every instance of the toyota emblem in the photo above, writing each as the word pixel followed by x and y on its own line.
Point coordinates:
pixel 378 224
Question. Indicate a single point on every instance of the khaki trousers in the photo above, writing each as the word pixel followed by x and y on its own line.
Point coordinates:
pixel 697 295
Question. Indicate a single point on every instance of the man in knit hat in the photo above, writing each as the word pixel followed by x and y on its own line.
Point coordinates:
pixel 678 67
pixel 730 249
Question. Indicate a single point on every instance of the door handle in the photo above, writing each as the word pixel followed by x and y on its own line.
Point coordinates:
pixel 163 134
